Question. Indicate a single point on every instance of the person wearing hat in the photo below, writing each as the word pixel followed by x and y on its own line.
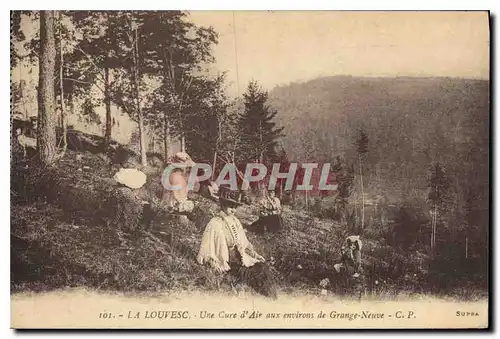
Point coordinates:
pixel 224 239
pixel 175 183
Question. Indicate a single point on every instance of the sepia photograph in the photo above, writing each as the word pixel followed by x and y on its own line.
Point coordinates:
pixel 250 169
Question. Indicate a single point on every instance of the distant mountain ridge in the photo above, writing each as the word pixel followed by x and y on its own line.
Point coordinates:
pixel 410 122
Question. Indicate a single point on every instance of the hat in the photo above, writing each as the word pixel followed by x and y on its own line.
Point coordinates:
pixel 130 177
pixel 209 189
pixel 226 194
pixel 182 158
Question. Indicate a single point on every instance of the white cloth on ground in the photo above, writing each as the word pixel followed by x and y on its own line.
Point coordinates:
pixel 130 177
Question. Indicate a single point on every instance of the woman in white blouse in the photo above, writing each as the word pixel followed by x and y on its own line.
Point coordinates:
pixel 225 248
pixel 224 239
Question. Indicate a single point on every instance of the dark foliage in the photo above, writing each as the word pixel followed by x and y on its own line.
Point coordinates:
pixel 259 134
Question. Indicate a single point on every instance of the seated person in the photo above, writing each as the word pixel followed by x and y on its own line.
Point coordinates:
pixel 224 240
pixel 269 214
pixel 351 255
pixel 272 204
pixel 176 200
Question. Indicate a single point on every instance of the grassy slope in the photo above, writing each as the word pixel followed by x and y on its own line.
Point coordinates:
pixel 68 239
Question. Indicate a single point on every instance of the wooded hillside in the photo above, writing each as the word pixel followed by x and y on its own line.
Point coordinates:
pixel 410 123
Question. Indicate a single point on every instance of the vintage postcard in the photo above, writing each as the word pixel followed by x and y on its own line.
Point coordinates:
pixel 250 169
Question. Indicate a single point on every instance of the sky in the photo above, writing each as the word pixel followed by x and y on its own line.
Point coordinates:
pixel 280 47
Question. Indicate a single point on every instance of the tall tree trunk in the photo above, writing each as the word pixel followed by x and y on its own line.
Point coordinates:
pixel 432 231
pixel 217 145
pixel 466 247
pixel 434 223
pixel 22 95
pixel 47 118
pixel 166 138
pixel 165 134
pixel 215 163
pixel 183 135
pixel 107 102
pixel 435 226
pixel 362 193
pixel 71 104
pixel 61 73
pixel 142 139
pixel 435 219
pixel 281 190
pixel 261 153
pixel 183 142
pixel 166 123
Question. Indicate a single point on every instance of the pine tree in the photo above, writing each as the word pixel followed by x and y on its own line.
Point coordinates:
pixel 344 177
pixel 259 135
pixel 362 149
